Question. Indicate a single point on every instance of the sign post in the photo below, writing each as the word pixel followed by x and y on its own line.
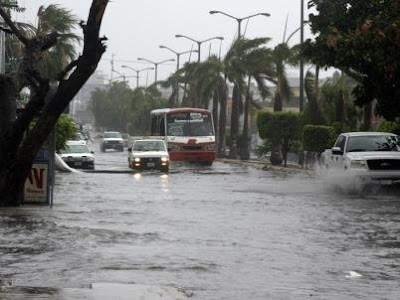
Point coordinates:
pixel 39 184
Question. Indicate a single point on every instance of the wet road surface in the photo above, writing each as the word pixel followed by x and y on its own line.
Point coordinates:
pixel 220 232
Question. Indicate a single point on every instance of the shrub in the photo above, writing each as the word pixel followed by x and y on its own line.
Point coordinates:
pixel 282 129
pixel 393 127
pixel 317 138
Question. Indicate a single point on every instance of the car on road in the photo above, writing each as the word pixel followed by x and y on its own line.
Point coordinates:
pixel 148 154
pixel 366 156
pixel 111 140
pixel 77 155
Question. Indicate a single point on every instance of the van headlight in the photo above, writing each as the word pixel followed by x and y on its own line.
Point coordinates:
pixel 358 164
pixel 137 159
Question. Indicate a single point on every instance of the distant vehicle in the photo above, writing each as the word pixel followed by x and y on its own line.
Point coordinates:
pixel 366 156
pixel 148 154
pixel 189 133
pixel 77 155
pixel 111 140
pixel 79 138
pixel 125 139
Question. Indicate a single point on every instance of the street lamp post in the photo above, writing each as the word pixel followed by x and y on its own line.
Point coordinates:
pixel 239 20
pixel 155 65
pixel 301 67
pixel 137 72
pixel 199 42
pixel 178 54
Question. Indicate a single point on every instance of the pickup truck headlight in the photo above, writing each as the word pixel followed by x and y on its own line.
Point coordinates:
pixel 358 164
pixel 137 159
pixel 164 159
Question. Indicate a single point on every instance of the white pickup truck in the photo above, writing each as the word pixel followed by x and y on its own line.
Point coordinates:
pixel 366 156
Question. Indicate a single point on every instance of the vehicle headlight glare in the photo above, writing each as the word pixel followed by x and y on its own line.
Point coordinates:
pixel 137 159
pixel 360 164
pixel 164 159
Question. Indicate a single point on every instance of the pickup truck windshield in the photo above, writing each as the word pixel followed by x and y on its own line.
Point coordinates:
pixel 373 143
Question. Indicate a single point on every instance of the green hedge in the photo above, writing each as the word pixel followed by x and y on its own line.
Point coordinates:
pixel 317 138
pixel 393 127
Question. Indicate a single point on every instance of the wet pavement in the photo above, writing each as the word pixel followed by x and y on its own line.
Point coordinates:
pixel 223 232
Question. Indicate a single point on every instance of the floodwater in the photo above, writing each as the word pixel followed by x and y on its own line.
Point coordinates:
pixel 220 232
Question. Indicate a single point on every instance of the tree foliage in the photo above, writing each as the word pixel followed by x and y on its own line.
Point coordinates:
pixel 362 39
pixel 122 109
pixel 66 129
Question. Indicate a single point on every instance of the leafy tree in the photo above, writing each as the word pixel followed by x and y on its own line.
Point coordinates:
pixel 65 130
pixel 361 39
pixel 18 147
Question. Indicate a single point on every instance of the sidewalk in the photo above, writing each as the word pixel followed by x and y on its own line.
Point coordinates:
pixel 265 165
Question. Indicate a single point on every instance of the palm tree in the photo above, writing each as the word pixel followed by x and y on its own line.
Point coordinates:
pixel 282 56
pixel 58 19
pixel 246 57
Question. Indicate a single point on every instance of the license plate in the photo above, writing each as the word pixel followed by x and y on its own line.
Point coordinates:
pixel 386 182
pixel 150 164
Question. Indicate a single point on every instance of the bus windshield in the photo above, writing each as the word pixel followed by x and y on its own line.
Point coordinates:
pixel 189 124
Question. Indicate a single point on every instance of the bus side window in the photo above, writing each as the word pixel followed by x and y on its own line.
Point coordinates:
pixel 153 125
pixel 162 126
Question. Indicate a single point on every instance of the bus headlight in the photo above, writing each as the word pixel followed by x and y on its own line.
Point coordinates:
pixel 210 147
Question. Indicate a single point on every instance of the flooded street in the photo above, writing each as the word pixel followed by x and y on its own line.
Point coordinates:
pixel 220 232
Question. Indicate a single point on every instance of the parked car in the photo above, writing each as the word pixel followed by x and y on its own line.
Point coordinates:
pixel 366 156
pixel 111 140
pixel 148 154
pixel 77 155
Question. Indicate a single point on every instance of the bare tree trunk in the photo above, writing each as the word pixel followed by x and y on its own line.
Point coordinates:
pixel 367 117
pixel 17 156
pixel 245 143
pixel 222 125
pixel 216 97
pixel 236 97
pixel 278 102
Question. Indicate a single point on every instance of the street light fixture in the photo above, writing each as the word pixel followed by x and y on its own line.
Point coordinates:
pixel 178 54
pixel 155 65
pixel 239 20
pixel 199 42
pixel 137 72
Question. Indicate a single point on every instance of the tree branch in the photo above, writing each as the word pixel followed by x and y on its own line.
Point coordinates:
pixel 13 28
pixel 66 70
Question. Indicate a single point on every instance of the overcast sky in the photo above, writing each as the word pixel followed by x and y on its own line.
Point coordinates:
pixel 136 28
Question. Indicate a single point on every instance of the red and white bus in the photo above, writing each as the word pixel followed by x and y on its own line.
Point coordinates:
pixel 189 133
